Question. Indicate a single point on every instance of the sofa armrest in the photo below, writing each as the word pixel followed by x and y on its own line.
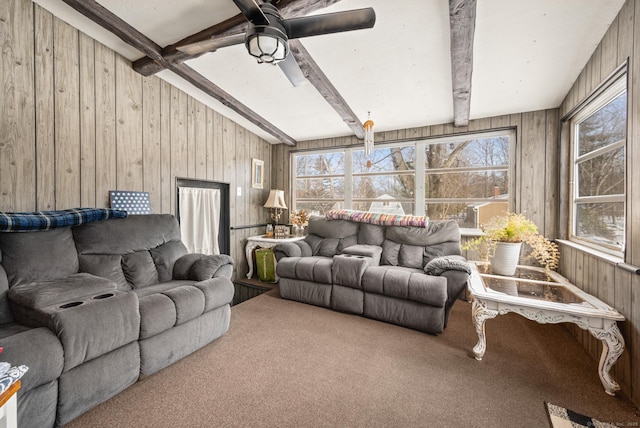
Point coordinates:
pixel 198 267
pixel 292 249
pixel 37 295
pixel 438 265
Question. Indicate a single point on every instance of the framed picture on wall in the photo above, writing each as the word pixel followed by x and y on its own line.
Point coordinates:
pixel 257 173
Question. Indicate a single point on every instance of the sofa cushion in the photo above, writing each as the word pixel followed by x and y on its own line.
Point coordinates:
pixel 314 269
pixel 189 302
pixel 38 256
pixel 36 295
pixel 157 314
pixel 332 228
pixel 416 286
pixel 346 242
pixel 411 256
pixel 139 269
pixel 165 256
pixel 390 253
pixel 314 242
pixel 105 265
pixel 328 247
pixel 371 234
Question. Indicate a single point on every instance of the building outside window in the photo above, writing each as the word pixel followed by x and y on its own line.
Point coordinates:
pixel 465 178
pixel 599 133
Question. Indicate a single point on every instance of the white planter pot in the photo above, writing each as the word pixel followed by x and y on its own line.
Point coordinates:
pixel 505 259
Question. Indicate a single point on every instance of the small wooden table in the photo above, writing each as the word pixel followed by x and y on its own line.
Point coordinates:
pixel 545 297
pixel 8 407
pixel 261 241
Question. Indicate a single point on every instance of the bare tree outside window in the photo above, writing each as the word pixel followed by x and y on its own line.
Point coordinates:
pixel 462 178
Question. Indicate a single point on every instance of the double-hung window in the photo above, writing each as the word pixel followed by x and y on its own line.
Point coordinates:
pixel 598 136
pixel 463 177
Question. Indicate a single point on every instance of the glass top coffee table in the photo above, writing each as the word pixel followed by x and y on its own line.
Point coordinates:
pixel 545 297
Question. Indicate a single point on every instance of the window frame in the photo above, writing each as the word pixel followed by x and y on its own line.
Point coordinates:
pixel 419 172
pixel 611 89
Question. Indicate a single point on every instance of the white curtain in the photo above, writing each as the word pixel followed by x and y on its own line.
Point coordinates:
pixel 200 219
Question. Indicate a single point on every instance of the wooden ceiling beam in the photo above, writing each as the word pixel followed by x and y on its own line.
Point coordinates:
pixel 105 18
pixel 235 25
pixel 316 76
pixel 462 20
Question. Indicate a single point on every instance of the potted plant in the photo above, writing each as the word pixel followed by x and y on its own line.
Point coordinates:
pixel 503 236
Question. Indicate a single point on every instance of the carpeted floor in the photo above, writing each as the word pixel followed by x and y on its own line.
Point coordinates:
pixel 288 364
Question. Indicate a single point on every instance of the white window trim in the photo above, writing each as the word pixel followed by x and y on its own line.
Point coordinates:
pixel 609 91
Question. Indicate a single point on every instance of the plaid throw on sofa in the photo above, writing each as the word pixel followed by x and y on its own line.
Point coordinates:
pixel 378 218
pixel 44 220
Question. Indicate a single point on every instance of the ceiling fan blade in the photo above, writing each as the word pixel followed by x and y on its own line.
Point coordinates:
pixel 252 12
pixel 327 23
pixel 212 44
pixel 291 69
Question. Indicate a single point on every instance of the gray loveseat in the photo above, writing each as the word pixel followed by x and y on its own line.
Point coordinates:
pixel 91 308
pixel 409 276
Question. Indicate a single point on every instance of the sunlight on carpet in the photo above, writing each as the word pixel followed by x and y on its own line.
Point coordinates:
pixel 559 417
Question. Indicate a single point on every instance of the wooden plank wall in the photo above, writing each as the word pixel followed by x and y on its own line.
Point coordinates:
pixel 536 168
pixel 76 121
pixel 598 275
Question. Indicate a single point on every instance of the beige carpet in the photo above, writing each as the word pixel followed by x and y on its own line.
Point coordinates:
pixel 287 364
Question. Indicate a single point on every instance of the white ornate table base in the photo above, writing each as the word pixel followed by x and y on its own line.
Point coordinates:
pixel 609 334
pixel 599 319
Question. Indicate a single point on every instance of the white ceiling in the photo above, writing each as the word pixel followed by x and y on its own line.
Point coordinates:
pixel 527 54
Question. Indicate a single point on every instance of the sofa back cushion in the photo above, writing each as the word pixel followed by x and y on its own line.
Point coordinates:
pixel 371 234
pixel 330 237
pixel 136 251
pixel 38 256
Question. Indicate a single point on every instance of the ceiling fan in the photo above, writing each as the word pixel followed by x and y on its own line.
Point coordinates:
pixel 267 37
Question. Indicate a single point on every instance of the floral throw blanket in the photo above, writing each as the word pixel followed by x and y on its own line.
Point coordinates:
pixel 378 218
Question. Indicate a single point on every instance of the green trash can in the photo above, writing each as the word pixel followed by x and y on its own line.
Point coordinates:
pixel 266 264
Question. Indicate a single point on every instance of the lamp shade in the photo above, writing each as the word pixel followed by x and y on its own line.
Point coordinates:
pixel 276 200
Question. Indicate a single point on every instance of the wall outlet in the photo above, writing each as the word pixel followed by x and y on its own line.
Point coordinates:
pixel 239 191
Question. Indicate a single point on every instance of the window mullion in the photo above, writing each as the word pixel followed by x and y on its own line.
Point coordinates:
pixel 348 179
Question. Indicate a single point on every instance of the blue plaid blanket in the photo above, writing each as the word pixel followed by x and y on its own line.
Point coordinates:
pixel 44 220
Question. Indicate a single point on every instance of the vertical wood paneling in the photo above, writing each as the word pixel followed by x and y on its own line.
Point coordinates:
pixel 128 127
pixel 552 167
pixel 44 109
pixel 87 122
pixel 152 142
pixel 179 141
pixel 166 179
pixel 17 128
pixel 200 140
pixel 67 114
pixel 105 124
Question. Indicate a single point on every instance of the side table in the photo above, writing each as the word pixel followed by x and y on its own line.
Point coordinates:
pixel 261 241
pixel 8 407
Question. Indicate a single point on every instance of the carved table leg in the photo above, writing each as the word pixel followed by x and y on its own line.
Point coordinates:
pixel 612 348
pixel 480 315
pixel 248 251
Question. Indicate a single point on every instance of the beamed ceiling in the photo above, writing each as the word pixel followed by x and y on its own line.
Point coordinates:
pixel 424 62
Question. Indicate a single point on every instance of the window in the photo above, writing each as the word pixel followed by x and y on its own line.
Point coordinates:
pixel 464 177
pixel 599 133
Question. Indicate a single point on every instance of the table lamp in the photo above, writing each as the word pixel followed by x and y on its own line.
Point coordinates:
pixel 275 202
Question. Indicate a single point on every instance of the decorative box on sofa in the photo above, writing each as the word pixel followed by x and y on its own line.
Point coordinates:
pixel 410 276
pixel 93 307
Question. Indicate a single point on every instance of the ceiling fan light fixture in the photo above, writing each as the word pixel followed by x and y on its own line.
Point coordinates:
pixel 267 43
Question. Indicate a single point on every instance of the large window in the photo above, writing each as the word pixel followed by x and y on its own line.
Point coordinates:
pixel 465 178
pixel 599 133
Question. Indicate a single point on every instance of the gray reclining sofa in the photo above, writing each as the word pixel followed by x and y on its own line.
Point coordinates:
pixel 409 276
pixel 91 308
